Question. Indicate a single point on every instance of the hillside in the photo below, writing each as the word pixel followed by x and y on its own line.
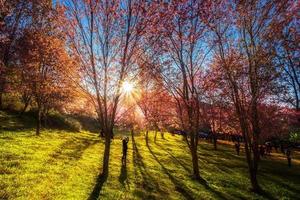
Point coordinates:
pixel 65 165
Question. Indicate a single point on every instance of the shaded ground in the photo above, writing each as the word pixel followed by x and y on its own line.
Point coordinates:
pixel 64 165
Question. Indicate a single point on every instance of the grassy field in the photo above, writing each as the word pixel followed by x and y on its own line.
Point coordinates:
pixel 66 165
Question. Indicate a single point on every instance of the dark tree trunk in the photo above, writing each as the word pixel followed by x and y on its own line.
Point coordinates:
pixel 24 108
pixel 196 173
pixel 1 104
pixel 252 161
pixel 26 99
pixel 106 153
pixel 162 135
pixel 155 136
pixel 38 122
pixel 256 133
pixel 101 133
pixel 215 139
pixel 45 119
pixel 254 183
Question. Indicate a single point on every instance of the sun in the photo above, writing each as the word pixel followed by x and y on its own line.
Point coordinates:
pixel 127 87
pixel 130 92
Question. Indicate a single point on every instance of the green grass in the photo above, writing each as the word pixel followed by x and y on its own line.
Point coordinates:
pixel 66 165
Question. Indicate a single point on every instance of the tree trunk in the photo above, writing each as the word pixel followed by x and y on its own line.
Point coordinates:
pixel 38 122
pixel 162 135
pixel 106 153
pixel 24 108
pixel 252 166
pixel 253 173
pixel 215 139
pixel 2 85
pixel 155 136
pixel 254 183
pixel 44 117
pixel 1 104
pixel 256 134
pixel 101 134
pixel 196 173
pixel 193 148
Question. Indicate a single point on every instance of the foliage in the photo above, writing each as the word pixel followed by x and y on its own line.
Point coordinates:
pixel 294 137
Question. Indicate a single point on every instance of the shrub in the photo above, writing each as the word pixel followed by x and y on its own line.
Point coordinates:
pixel 58 120
pixel 73 124
pixel 12 102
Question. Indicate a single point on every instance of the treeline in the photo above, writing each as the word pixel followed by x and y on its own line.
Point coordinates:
pixel 36 68
pixel 227 66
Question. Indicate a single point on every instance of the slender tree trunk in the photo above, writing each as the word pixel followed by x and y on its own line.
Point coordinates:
pixel 155 136
pixel 256 133
pixel 215 139
pixel 1 101
pixel 106 153
pixel 162 135
pixel 215 144
pixel 253 177
pixel 38 122
pixel 24 108
pixel 252 161
pixel 45 119
pixel 26 99
pixel 252 171
pixel 196 172
pixel 101 134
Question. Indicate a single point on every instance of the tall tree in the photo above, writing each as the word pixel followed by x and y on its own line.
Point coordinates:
pixel 178 45
pixel 105 35
pixel 44 62
pixel 245 63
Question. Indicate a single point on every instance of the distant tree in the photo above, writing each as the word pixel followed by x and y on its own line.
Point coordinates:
pixel 157 107
pixel 274 121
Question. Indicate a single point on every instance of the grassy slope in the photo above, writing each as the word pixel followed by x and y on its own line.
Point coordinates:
pixel 64 165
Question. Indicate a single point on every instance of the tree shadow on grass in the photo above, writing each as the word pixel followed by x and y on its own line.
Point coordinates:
pixel 101 179
pixel 75 148
pixel 227 166
pixel 123 175
pixel 266 195
pixel 282 184
pixel 180 187
pixel 149 183
pixel 183 165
